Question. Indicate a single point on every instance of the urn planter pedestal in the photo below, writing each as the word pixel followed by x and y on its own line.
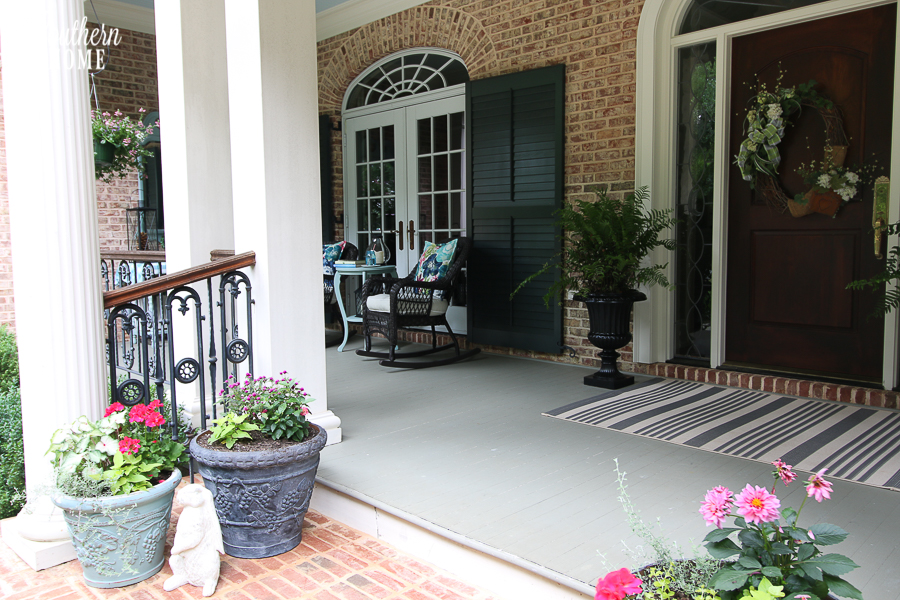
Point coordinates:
pixel 261 497
pixel 610 329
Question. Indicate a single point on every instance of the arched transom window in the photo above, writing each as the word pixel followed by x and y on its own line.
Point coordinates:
pixel 407 75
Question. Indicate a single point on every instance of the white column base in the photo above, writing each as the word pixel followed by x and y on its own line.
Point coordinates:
pixel 39 535
pixel 331 423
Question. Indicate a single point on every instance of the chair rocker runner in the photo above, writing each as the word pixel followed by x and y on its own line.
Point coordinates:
pixel 419 299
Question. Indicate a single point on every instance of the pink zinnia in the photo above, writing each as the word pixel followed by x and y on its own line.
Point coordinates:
pixel 757 505
pixel 716 506
pixel 129 445
pixel 818 488
pixel 112 408
pixel 784 471
pixel 617 585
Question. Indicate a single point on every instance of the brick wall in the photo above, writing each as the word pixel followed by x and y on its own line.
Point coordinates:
pixel 595 40
pixel 127 84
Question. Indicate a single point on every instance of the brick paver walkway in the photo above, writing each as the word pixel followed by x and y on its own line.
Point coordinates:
pixel 333 562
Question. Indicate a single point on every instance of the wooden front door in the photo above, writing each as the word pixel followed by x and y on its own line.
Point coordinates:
pixel 788 308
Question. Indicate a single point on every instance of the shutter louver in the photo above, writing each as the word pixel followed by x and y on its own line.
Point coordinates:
pixel 515 171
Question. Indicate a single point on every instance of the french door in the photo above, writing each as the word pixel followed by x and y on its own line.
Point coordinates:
pixel 405 182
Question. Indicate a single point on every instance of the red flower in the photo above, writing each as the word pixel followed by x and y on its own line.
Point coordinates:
pixel 129 445
pixel 153 418
pixel 113 408
pixel 617 585
pixel 155 404
pixel 138 413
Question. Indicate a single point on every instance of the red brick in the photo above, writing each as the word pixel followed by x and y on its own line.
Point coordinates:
pixel 280 585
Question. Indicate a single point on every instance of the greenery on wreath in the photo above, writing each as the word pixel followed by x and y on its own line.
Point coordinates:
pixel 127 139
pixel 605 243
pixel 276 407
pixel 767 119
pixel 823 176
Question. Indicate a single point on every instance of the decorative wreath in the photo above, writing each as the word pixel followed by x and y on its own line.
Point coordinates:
pixel 831 184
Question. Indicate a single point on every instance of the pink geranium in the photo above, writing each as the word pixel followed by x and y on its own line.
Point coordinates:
pixel 757 505
pixel 785 471
pixel 818 488
pixel 129 445
pixel 113 408
pixel 716 506
pixel 617 585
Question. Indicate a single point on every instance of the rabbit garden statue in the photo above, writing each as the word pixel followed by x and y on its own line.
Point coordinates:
pixel 198 542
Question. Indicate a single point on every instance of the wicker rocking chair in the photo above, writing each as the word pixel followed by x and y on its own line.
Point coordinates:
pixel 391 304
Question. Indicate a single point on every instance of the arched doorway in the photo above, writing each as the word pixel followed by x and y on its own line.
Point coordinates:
pixel 674 163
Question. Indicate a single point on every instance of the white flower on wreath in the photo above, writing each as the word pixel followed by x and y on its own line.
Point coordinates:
pixel 751 116
pixel 851 177
pixel 824 180
pixel 846 193
pixel 774 111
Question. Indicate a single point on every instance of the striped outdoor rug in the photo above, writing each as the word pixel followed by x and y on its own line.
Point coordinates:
pixel 854 442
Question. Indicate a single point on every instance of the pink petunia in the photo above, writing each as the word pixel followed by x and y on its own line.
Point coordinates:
pixel 818 488
pixel 113 408
pixel 785 471
pixel 716 506
pixel 757 505
pixel 617 585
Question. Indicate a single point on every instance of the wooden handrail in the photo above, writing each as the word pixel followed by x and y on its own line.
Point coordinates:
pixel 186 277
pixel 220 254
pixel 136 255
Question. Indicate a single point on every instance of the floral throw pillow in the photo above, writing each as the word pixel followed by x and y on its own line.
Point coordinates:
pixel 435 261
pixel 331 253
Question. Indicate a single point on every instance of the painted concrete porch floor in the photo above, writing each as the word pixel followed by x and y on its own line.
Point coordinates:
pixel 465 447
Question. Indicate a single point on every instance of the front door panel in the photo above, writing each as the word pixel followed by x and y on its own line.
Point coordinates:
pixel 787 303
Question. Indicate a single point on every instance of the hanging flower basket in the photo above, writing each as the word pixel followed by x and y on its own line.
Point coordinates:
pixel 104 153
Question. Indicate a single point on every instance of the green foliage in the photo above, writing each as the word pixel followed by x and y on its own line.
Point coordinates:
pixel 9 359
pixel 886 283
pixel 605 244
pixel 278 406
pixel 672 572
pixel 230 428
pixel 12 451
pixel 129 473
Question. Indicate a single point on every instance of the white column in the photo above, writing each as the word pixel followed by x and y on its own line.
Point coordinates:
pixel 193 110
pixel 272 87
pixel 53 212
pixel 194 133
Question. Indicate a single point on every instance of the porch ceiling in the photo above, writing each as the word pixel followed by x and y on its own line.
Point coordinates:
pixel 465 447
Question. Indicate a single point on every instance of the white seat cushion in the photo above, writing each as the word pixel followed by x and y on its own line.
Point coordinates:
pixel 382 303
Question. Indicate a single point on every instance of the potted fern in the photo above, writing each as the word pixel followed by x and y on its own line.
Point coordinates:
pixel 259 461
pixel 605 244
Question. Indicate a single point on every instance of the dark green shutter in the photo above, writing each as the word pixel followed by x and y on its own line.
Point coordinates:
pixel 514 135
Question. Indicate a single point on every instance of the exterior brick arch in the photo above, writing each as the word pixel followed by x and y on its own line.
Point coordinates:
pixel 420 27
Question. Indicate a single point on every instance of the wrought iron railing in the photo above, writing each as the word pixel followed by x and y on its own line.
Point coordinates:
pixel 144 319
pixel 120 269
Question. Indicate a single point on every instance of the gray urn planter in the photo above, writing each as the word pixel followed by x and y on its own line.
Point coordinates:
pixel 119 540
pixel 261 497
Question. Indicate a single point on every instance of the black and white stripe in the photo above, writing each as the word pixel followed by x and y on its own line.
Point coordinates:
pixel 853 442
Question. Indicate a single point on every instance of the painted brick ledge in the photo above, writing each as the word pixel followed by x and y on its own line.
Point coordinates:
pixel 779 385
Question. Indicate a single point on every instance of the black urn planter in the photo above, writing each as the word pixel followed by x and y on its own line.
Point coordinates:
pixel 261 497
pixel 610 318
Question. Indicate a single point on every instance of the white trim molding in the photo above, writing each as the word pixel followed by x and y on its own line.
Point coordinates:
pixel 355 13
pixel 121 15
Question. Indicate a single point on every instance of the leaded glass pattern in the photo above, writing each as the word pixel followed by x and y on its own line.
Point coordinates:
pixel 375 163
pixel 694 172
pixel 705 14
pixel 407 75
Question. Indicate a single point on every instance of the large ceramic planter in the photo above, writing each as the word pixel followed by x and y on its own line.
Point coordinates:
pixel 261 497
pixel 610 322
pixel 119 540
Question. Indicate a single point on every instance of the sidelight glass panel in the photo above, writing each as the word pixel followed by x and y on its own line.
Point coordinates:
pixel 694 172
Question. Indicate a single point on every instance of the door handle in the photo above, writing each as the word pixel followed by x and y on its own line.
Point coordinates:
pixel 412 234
pixel 880 211
pixel 399 233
